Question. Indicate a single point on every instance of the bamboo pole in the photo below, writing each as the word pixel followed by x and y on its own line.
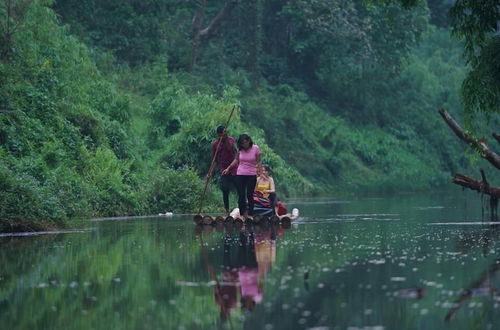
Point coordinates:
pixel 212 166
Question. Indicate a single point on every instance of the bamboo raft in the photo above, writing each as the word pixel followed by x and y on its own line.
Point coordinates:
pixel 235 217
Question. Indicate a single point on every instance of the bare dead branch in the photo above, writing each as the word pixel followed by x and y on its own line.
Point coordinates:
pixel 216 23
pixel 477 144
pixel 210 30
pixel 483 176
pixel 477 185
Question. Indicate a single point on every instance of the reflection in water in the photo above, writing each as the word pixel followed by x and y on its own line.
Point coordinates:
pixel 248 255
pixel 483 286
pixel 327 273
pixel 411 293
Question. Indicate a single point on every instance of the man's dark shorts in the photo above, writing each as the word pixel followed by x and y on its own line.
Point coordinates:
pixel 227 182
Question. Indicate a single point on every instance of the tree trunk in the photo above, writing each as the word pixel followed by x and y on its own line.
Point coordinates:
pixel 208 32
pixel 7 37
pixel 197 22
pixel 256 46
pixel 15 12
pixel 212 29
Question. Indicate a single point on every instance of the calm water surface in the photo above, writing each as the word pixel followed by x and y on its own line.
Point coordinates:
pixel 412 261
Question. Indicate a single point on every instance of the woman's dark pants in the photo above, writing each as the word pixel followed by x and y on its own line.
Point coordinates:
pixel 246 186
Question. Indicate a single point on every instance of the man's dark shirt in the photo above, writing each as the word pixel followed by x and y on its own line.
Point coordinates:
pixel 226 154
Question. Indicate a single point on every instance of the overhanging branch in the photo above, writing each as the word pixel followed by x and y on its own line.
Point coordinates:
pixel 477 144
pixel 477 185
pixel 216 23
pixel 209 31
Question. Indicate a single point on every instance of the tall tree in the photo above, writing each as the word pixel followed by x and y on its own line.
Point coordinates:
pixel 210 30
pixel 12 14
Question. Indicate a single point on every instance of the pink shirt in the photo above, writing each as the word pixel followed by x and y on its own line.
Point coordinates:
pixel 248 161
pixel 249 283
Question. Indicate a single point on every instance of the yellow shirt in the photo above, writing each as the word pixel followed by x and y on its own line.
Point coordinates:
pixel 264 186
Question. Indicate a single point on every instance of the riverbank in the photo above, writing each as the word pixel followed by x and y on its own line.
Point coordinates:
pixel 27 226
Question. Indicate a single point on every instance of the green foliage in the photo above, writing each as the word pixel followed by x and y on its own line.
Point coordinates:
pixel 177 191
pixel 195 118
pixel 100 118
pixel 21 196
pixel 486 73
pixel 440 12
pixel 103 170
pixel 476 22
pixel 133 30
pixel 56 110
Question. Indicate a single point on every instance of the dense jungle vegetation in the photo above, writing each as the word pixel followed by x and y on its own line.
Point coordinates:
pixel 109 107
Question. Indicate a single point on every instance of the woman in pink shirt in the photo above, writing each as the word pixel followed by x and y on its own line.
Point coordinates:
pixel 248 160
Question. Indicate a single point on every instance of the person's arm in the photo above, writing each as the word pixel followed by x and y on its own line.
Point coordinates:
pixel 258 163
pixel 272 188
pixel 233 164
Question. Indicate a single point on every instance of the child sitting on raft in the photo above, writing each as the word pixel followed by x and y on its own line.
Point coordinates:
pixel 265 186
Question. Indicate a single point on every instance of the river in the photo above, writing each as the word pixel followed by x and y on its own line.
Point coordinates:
pixel 405 261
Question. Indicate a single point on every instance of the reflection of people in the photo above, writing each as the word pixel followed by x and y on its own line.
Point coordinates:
pixel 253 275
pixel 226 293
pixel 246 261
pixel 225 156
pixel 265 186
pixel 248 272
pixel 247 161
pixel 248 256
pixel 265 251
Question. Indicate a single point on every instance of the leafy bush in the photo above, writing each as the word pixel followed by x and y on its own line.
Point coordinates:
pixel 22 197
pixel 178 192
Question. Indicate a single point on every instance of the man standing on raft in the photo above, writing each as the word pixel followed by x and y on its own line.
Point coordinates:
pixel 225 156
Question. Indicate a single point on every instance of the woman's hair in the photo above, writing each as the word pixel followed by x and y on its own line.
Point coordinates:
pixel 242 138
pixel 267 168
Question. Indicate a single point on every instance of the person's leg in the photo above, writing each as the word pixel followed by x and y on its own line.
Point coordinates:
pixel 274 202
pixel 225 182
pixel 233 185
pixel 250 187
pixel 240 185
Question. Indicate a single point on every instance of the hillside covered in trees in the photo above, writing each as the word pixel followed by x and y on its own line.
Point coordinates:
pixel 109 107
